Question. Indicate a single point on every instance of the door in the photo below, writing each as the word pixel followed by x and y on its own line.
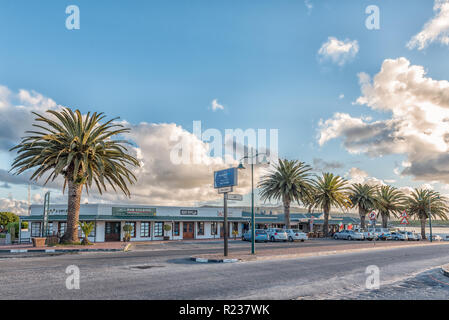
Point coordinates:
pixel 112 231
pixel 187 230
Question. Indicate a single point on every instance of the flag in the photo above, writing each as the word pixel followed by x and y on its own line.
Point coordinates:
pixel 350 226
pixel 340 226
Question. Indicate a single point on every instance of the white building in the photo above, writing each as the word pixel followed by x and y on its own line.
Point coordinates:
pixel 147 221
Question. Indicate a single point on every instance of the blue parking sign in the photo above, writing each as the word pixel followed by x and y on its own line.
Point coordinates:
pixel 225 178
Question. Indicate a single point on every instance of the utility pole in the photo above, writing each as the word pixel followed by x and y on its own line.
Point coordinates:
pixel 225 226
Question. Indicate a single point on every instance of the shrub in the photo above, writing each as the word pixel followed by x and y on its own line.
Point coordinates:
pixel 6 218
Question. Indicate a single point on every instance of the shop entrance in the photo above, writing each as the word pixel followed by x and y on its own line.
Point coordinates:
pixel 112 231
pixel 187 231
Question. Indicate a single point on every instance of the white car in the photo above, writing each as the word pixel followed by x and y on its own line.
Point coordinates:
pixel 294 234
pixel 413 236
pixel 349 235
pixel 400 235
pixel 277 234
pixel 367 234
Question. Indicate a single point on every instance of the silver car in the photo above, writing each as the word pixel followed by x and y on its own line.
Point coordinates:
pixel 349 235
pixel 277 234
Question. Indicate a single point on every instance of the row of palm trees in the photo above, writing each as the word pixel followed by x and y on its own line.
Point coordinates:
pixel 293 181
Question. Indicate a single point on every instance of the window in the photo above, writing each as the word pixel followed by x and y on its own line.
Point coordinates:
pixel 62 228
pixel 144 229
pixel 201 228
pixel 91 234
pixel 35 229
pixel 176 229
pixel 133 231
pixel 213 228
pixel 49 228
pixel 158 229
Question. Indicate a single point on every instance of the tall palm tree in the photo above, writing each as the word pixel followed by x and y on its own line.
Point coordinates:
pixel 418 206
pixel 364 197
pixel 389 200
pixel 289 181
pixel 82 151
pixel 331 191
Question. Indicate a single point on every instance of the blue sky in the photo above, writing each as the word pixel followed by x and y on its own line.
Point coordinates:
pixel 166 61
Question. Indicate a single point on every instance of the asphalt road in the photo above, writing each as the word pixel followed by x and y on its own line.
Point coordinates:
pixel 165 273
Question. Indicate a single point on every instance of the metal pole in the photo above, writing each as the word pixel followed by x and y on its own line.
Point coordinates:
pixel 430 221
pixel 253 218
pixel 225 226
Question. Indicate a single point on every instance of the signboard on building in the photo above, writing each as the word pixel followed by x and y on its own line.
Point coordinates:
pixel 186 212
pixel 118 211
pixel 235 197
pixel 225 178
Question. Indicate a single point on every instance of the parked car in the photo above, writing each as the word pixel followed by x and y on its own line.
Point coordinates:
pixel 277 234
pixel 436 237
pixel 261 235
pixel 367 234
pixel 383 233
pixel 294 234
pixel 399 235
pixel 349 235
pixel 412 236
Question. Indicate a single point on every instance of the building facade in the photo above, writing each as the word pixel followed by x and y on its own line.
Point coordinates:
pixel 147 222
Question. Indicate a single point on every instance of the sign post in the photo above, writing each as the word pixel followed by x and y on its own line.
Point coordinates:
pixel 372 216
pixel 45 214
pixel 224 180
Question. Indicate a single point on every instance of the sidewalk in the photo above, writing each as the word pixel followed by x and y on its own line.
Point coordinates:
pixel 96 247
pixel 299 252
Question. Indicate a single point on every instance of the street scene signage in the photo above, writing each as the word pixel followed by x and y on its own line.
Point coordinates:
pixel 225 178
pixel 117 211
pixel 186 212
pixel 235 197
pixel 404 218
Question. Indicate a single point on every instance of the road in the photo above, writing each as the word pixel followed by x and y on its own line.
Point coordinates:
pixel 164 272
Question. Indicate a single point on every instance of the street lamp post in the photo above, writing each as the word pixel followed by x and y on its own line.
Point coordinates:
pixel 253 216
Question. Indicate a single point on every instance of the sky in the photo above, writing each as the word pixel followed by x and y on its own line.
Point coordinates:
pixel 369 104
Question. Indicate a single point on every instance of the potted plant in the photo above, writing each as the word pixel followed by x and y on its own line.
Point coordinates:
pixel 167 228
pixel 87 228
pixel 128 229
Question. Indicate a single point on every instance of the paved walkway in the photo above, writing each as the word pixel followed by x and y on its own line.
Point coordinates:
pixel 331 248
pixel 104 246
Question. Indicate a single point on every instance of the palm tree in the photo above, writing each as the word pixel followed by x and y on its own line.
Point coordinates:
pixel 389 200
pixel 289 181
pixel 364 197
pixel 331 191
pixel 79 149
pixel 418 206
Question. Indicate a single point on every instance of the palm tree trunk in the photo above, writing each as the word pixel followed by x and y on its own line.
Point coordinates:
pixel 326 210
pixel 362 214
pixel 73 212
pixel 287 213
pixel 423 228
pixel 384 220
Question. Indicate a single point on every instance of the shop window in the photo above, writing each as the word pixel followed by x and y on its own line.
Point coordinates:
pixel 235 226
pixel 176 229
pixel 133 231
pixel 201 228
pixel 62 228
pixel 214 228
pixel 158 229
pixel 145 229
pixel 35 229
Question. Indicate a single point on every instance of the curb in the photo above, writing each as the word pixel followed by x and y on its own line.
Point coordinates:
pixel 58 250
pixel 445 270
pixel 203 260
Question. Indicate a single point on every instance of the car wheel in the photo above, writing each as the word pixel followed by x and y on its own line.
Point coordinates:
pixel 349 238
pixel 272 239
pixel 336 237
pixel 302 240
pixel 290 239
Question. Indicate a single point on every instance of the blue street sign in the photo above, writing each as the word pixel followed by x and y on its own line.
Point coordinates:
pixel 225 178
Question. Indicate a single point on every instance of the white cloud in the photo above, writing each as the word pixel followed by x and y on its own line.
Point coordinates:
pixel 160 181
pixel 309 6
pixel 216 106
pixel 418 126
pixel 341 96
pixel 435 30
pixel 337 51
pixel 13 205
pixel 356 175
